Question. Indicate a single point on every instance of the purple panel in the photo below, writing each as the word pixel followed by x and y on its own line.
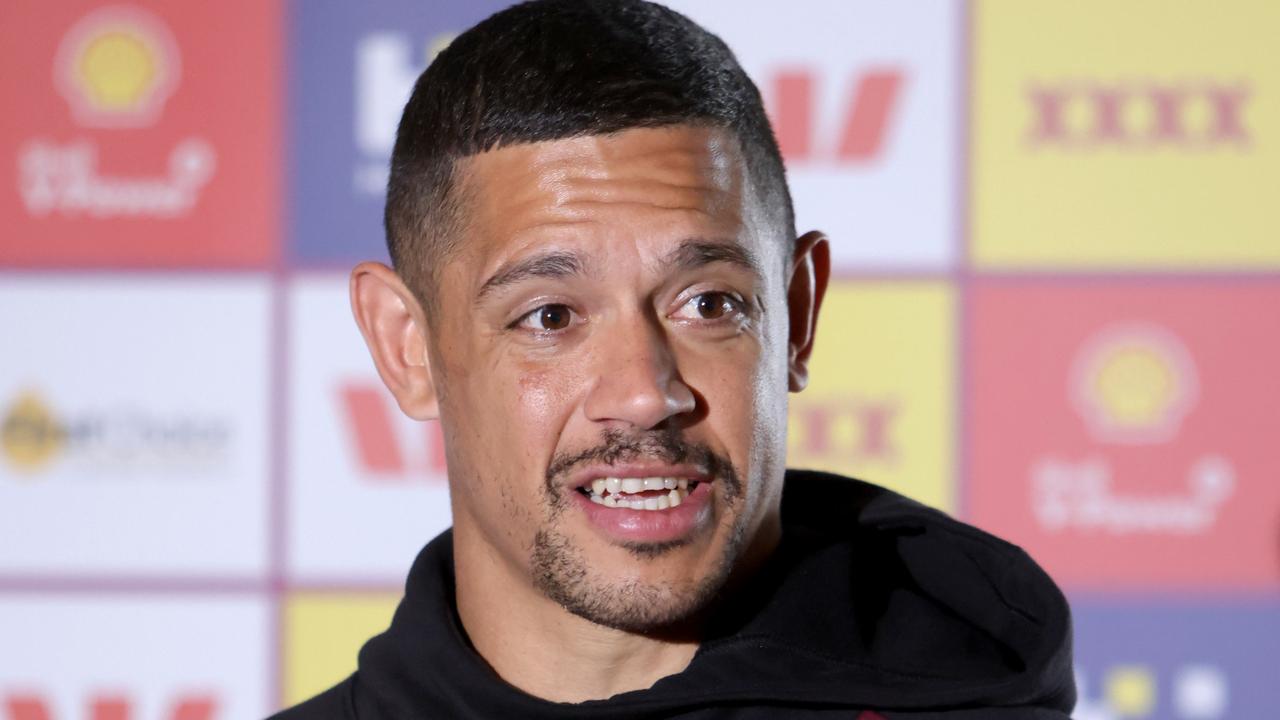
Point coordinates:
pixel 352 67
pixel 1178 661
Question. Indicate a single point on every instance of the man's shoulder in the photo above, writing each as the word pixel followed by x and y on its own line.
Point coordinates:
pixel 333 704
pixel 921 537
pixel 834 504
pixel 922 568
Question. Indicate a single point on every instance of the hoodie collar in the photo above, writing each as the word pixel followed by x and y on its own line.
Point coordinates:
pixel 871 601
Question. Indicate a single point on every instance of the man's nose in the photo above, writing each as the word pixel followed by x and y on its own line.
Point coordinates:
pixel 637 378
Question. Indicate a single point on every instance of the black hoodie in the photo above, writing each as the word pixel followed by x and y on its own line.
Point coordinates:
pixel 871 603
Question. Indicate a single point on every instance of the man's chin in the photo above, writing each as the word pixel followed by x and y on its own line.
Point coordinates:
pixel 651 551
pixel 632 603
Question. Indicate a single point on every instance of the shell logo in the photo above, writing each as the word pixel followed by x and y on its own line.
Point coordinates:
pixel 30 436
pixel 1133 384
pixel 116 67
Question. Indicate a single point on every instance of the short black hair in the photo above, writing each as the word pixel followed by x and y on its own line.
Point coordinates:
pixel 555 69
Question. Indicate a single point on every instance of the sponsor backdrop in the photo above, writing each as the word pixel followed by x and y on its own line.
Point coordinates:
pixel 1056 315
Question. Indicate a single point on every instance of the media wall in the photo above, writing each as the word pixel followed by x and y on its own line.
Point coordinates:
pixel 1056 315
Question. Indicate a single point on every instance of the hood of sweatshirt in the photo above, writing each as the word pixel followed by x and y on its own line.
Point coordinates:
pixel 871 602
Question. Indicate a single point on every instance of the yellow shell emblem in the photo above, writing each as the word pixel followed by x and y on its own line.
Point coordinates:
pixel 1134 383
pixel 117 66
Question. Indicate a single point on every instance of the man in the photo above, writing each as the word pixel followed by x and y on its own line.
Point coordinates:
pixel 600 293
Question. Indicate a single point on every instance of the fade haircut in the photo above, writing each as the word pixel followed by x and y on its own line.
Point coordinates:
pixel 557 69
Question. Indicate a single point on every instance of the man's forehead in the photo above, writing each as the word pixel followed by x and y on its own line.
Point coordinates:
pixel 680 182
pixel 694 252
pixel 701 145
pixel 633 165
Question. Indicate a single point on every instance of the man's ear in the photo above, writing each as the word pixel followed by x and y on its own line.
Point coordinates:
pixel 810 270
pixel 394 327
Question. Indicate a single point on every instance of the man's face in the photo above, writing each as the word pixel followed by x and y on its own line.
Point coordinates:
pixel 610 350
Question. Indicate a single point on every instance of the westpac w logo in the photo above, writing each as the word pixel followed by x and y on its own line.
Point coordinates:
pixel 854 135
pixel 385 445
pixel 109 707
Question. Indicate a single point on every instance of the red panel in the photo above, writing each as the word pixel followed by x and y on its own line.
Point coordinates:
pixel 1119 432
pixel 140 135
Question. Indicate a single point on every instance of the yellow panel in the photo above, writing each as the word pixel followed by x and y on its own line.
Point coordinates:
pixel 323 634
pixel 1136 134
pixel 880 402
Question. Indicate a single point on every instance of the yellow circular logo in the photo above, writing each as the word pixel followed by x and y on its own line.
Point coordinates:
pixel 117 66
pixel 1134 383
pixel 117 70
pixel 30 436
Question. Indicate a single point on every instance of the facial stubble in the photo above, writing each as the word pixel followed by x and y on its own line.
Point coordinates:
pixel 562 573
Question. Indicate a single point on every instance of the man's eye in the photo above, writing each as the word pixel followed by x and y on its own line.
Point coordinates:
pixel 547 318
pixel 708 306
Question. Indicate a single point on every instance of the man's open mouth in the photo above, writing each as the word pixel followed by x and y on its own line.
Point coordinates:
pixel 649 493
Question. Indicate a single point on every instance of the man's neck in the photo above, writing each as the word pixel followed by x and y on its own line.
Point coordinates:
pixel 546 651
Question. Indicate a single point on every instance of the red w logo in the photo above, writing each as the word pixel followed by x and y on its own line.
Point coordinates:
pixel 862 127
pixel 110 707
pixel 380 447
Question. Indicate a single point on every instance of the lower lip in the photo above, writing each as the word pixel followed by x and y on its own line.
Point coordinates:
pixel 651 526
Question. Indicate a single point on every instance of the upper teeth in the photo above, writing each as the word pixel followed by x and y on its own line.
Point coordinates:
pixel 635 485
pixel 677 489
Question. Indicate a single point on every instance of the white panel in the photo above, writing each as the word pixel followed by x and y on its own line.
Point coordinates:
pixel 134 425
pixel 151 653
pixel 891 205
pixel 367 486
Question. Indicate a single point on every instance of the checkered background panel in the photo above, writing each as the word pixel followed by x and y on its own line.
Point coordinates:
pixel 1056 314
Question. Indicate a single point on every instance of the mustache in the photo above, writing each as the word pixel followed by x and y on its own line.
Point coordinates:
pixel 668 446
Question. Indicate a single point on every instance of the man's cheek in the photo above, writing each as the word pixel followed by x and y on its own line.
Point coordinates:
pixel 725 382
pixel 538 394
pixel 528 410
pixel 548 391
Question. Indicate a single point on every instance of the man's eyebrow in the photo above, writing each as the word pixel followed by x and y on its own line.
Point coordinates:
pixel 696 252
pixel 551 264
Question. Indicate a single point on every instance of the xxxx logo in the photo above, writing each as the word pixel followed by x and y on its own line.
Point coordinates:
pixel 1143 114
pixel 844 429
